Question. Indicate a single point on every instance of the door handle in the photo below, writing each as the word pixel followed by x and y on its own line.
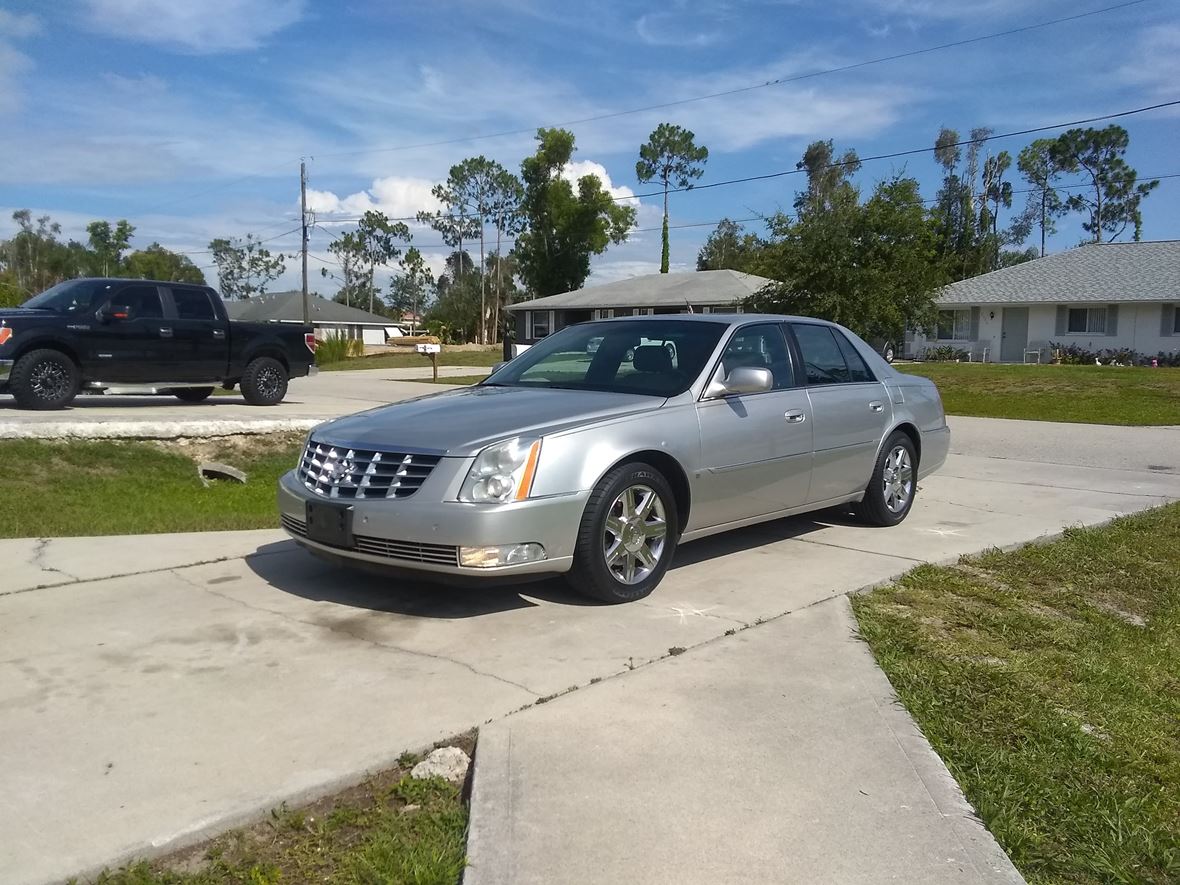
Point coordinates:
pixel 876 405
pixel 795 416
pixel 219 333
pixel 165 332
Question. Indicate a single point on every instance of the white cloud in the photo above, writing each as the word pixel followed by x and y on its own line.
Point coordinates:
pixel 580 168
pixel 1157 62
pixel 671 29
pixel 397 197
pixel 13 62
pixel 14 26
pixel 205 27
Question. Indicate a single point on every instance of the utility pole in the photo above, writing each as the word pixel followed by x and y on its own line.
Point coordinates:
pixel 303 221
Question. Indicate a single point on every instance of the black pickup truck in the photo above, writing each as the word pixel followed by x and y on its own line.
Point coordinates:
pixel 120 336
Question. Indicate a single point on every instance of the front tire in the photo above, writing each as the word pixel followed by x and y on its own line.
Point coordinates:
pixel 44 380
pixel 891 490
pixel 264 383
pixel 627 536
pixel 192 394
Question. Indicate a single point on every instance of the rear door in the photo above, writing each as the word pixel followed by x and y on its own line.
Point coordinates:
pixel 128 339
pixel 755 448
pixel 202 344
pixel 850 410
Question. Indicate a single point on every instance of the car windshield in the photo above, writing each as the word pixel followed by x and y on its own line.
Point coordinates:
pixel 72 296
pixel 652 357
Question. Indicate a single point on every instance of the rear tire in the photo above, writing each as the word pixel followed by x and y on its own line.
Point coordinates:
pixel 888 353
pixel 264 383
pixel 192 394
pixel 894 484
pixel 44 379
pixel 627 536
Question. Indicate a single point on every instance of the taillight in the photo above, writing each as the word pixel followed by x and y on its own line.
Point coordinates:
pixel 310 341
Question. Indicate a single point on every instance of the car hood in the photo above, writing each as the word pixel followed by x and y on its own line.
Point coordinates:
pixel 461 422
pixel 8 313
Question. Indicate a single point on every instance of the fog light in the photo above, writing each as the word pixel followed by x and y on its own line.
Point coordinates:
pixel 506 554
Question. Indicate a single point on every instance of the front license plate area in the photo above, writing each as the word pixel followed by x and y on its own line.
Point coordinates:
pixel 329 524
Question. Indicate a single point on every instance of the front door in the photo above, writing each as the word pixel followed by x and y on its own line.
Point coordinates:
pixel 850 409
pixel 755 448
pixel 1014 335
pixel 127 340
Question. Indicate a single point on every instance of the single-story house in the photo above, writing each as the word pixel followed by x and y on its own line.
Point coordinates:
pixel 707 291
pixel 329 318
pixel 1098 296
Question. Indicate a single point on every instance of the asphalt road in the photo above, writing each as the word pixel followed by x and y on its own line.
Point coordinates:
pixel 141 712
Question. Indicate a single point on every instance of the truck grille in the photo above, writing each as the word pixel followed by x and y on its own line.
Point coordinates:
pixel 343 472
pixel 404 551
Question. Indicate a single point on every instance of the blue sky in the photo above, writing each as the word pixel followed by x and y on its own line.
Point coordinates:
pixel 189 119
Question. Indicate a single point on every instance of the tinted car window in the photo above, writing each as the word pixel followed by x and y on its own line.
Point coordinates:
pixel 144 301
pixel 823 362
pixel 643 356
pixel 858 371
pixel 193 304
pixel 763 347
pixel 72 296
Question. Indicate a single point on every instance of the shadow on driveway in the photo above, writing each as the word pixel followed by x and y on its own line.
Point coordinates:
pixel 289 568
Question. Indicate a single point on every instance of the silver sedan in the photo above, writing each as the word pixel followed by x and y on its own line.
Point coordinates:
pixel 599 450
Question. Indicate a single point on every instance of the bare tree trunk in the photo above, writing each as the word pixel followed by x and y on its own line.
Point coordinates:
pixel 1044 202
pixel 483 286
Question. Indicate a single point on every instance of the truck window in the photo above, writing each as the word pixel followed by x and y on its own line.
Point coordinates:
pixel 193 304
pixel 144 302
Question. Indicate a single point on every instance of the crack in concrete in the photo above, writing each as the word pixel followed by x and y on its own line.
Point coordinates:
pixel 352 635
pixel 38 560
pixel 858 549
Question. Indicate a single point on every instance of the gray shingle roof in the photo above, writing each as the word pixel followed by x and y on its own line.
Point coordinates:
pixel 707 287
pixel 1098 272
pixel 288 307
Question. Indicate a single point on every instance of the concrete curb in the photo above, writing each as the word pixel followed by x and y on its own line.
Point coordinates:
pixel 152 429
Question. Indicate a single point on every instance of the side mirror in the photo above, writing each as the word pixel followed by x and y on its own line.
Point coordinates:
pixel 743 379
pixel 113 312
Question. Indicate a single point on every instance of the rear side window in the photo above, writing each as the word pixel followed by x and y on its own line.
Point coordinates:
pixel 857 370
pixel 823 361
pixel 193 304
pixel 144 302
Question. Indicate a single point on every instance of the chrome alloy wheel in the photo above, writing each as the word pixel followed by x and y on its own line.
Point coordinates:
pixel 49 380
pixel 268 382
pixel 898 479
pixel 635 534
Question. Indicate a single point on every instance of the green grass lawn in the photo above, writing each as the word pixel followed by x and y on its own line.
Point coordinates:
pixel 391 830
pixel 417 360
pixel 1048 680
pixel 1086 394
pixel 114 487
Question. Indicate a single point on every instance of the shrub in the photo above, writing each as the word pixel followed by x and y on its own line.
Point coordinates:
pixel 1074 355
pixel 335 347
pixel 944 353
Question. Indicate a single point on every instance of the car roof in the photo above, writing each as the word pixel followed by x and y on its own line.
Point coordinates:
pixel 730 318
pixel 134 280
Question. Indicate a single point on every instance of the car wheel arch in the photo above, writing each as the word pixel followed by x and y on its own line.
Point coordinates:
pixel 909 430
pixel 47 344
pixel 673 472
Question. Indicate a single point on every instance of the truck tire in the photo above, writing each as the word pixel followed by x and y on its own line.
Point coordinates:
pixel 192 394
pixel 44 380
pixel 264 383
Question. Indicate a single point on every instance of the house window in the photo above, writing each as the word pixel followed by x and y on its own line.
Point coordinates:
pixel 1175 321
pixel 1084 320
pixel 954 325
pixel 539 324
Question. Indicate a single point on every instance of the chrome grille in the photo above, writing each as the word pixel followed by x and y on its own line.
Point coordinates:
pixel 404 551
pixel 343 472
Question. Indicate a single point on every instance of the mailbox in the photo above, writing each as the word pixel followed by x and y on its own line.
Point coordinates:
pixel 429 348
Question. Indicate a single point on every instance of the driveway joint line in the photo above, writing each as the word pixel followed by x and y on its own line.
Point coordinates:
pixel 858 550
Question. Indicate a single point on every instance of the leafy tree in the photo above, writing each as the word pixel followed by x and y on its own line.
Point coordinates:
pixel 244 267
pixel 829 180
pixel 729 247
pixel 410 292
pixel 377 238
pixel 564 227
pixel 1097 155
pixel 1038 165
pixel 107 245
pixel 456 224
pixel 997 195
pixel 455 314
pixel 34 259
pixel 672 158
pixel 348 249
pixel 506 218
pixel 157 263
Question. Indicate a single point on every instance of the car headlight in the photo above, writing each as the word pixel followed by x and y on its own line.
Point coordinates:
pixel 503 472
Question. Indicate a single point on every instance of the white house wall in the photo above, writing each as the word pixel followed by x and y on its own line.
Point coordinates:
pixel 1139 328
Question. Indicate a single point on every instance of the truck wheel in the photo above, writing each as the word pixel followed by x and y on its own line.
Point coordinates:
pixel 44 379
pixel 192 394
pixel 264 383
pixel 627 536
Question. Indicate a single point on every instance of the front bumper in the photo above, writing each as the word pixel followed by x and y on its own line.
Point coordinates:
pixel 418 534
pixel 5 371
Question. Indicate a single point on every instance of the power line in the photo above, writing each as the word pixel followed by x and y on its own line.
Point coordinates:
pixel 742 89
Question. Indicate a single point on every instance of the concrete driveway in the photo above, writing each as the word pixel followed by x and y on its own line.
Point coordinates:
pixel 141 712
pixel 309 401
